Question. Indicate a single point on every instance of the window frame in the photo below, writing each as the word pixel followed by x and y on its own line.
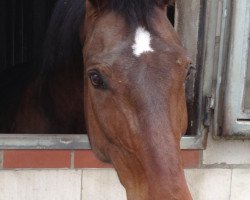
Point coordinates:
pixel 230 119
pixel 70 141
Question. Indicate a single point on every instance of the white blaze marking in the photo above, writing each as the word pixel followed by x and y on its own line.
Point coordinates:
pixel 142 42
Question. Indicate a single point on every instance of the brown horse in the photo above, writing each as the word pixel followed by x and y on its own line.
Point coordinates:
pixel 134 95
pixel 134 90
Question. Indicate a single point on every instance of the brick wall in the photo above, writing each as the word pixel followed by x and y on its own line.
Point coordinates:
pixel 1 159
pixel 221 172
pixel 12 159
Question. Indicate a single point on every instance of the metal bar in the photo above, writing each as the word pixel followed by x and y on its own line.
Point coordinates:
pixel 195 142
pixel 69 141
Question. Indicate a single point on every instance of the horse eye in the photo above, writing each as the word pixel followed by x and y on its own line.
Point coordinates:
pixel 97 79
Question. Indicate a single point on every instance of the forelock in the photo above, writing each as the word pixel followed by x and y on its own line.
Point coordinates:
pixel 135 12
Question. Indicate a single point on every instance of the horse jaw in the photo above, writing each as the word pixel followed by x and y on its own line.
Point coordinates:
pixel 147 180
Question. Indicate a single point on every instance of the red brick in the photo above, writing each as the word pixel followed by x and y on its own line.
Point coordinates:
pixel 1 159
pixel 36 159
pixel 87 159
pixel 191 158
pixel 82 159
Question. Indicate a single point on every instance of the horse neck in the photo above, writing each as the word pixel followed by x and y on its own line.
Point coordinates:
pixel 63 100
pixel 161 191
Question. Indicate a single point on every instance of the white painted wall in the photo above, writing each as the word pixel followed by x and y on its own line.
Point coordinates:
pixel 227 152
pixel 225 176
pixel 103 184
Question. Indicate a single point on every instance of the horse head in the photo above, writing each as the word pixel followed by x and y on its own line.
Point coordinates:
pixel 134 95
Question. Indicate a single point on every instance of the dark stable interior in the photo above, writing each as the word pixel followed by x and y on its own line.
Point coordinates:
pixel 23 25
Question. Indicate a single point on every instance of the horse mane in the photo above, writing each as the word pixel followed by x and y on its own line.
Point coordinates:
pixel 13 81
pixel 62 57
pixel 62 43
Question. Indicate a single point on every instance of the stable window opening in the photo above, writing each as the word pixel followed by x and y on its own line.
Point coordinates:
pixel 23 26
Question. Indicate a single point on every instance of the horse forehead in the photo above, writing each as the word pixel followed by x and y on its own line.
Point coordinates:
pixel 145 42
